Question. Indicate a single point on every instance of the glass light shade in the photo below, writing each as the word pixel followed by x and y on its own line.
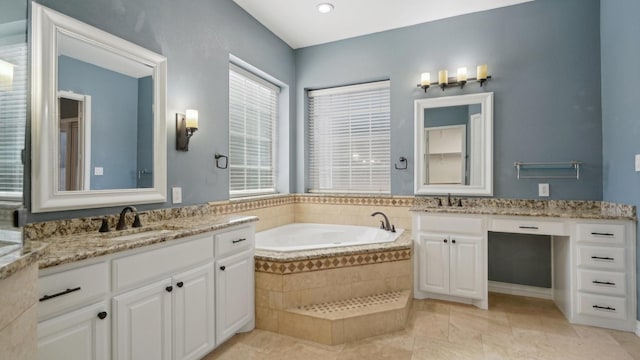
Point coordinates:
pixel 443 77
pixel 325 8
pixel 6 76
pixel 425 79
pixel 192 119
pixel 482 72
pixel 462 74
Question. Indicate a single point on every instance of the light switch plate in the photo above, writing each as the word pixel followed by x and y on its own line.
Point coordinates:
pixel 543 190
pixel 98 171
pixel 637 162
pixel 176 195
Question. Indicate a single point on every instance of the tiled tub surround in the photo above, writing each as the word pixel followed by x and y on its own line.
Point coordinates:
pixel 337 295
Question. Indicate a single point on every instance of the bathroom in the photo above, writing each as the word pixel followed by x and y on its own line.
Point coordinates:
pixel 562 79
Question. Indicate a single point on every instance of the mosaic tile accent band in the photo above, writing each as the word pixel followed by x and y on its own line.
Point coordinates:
pixel 299 266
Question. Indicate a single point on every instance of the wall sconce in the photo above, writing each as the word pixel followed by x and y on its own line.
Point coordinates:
pixel 6 76
pixel 444 81
pixel 186 125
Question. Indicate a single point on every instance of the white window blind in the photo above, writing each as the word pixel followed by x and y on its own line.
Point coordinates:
pixel 350 139
pixel 13 116
pixel 252 120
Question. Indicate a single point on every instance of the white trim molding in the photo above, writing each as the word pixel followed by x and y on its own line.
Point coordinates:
pixel 521 290
pixel 638 328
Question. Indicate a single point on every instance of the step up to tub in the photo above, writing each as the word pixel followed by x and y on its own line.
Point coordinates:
pixel 348 320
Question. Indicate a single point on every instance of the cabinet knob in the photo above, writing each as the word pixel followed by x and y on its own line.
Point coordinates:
pixel 180 284
pixel 223 268
pixel 453 241
pixel 169 288
pixel 102 315
pixel 445 241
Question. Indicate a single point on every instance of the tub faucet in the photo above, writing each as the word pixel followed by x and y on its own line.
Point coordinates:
pixel 122 225
pixel 387 225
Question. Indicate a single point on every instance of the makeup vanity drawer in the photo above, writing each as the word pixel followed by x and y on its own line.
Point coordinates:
pixel 605 258
pixel 68 289
pixel 602 306
pixel 602 282
pixel 234 241
pixel 527 226
pixel 601 233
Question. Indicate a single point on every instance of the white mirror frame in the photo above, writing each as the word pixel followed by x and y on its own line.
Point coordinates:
pixel 45 196
pixel 486 186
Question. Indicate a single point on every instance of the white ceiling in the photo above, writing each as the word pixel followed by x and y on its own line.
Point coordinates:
pixel 299 24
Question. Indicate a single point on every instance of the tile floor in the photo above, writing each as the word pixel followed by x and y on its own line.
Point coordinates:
pixel 513 328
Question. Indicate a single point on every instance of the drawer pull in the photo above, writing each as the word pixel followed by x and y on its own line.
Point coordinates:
pixel 68 291
pixel 602 258
pixel 603 283
pixel 445 241
pixel 528 227
pixel 239 240
pixel 169 288
pixel 601 234
pixel 604 308
pixel 223 268
pixel 102 315
pixel 180 284
pixel 453 241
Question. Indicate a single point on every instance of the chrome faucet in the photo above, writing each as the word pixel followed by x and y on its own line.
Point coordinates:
pixel 122 225
pixel 385 225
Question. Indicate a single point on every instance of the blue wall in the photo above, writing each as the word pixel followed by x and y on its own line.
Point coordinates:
pixel 114 118
pixel 197 37
pixel 545 60
pixel 620 31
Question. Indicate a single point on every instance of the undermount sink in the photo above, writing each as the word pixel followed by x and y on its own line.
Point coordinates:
pixel 140 233
pixel 143 234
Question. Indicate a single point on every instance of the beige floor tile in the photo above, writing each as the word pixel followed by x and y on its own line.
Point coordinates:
pixel 430 348
pixel 434 325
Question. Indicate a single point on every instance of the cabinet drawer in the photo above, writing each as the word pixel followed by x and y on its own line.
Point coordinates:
pixel 601 233
pixel 602 282
pixel 602 306
pixel 233 241
pixel 68 289
pixel 529 226
pixel 153 264
pixel 448 224
pixel 601 257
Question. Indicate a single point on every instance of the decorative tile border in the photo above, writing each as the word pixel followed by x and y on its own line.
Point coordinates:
pixel 334 199
pixel 332 262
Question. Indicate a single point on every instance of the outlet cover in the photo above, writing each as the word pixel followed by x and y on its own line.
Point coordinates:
pixel 98 171
pixel 176 195
pixel 637 162
pixel 543 190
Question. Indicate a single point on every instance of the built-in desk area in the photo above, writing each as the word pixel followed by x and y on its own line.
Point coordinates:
pixel 592 253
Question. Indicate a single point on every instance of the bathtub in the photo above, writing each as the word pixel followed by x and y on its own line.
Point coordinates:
pixel 302 236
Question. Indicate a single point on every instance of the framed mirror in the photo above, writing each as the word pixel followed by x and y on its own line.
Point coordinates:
pixel 99 123
pixel 454 145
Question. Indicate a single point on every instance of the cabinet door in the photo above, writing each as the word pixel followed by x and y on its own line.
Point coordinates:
pixel 77 335
pixel 234 294
pixel 193 313
pixel 434 263
pixel 466 266
pixel 142 322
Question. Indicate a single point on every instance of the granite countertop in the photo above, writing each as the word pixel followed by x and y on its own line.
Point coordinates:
pixel 20 258
pixel 541 208
pixel 403 242
pixel 66 249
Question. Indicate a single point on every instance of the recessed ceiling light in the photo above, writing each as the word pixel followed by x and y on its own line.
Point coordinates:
pixel 325 8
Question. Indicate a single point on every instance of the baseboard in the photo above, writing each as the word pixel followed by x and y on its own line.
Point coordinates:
pixel 638 328
pixel 520 290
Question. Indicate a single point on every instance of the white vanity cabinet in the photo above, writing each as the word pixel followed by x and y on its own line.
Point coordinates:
pixel 166 301
pixel 451 258
pixel 234 283
pixel 78 335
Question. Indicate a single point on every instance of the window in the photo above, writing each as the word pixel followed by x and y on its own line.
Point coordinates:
pixel 350 139
pixel 13 116
pixel 253 104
